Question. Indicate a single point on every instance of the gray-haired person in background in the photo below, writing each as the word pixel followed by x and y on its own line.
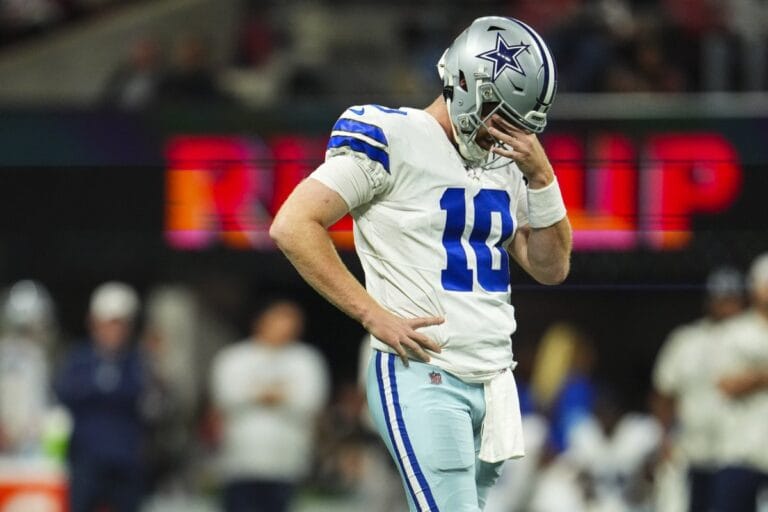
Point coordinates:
pixel 103 383
pixel 689 403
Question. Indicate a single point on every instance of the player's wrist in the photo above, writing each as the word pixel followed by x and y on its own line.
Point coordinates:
pixel 545 205
pixel 539 182
pixel 368 314
pixel 540 178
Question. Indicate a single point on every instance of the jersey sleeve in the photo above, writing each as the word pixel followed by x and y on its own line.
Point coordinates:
pixel 343 175
pixel 360 134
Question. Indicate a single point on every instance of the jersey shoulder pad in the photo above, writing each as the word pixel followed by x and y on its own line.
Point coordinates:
pixel 366 131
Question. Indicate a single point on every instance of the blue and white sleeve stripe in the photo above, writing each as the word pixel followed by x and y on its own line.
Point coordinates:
pixel 361 137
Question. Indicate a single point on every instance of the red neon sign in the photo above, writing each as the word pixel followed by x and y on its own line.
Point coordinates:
pixel 615 205
pixel 620 195
pixel 212 188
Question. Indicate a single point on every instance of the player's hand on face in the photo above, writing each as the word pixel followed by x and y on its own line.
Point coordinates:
pixel 524 148
pixel 401 334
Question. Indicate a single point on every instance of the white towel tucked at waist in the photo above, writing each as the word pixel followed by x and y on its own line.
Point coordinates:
pixel 502 434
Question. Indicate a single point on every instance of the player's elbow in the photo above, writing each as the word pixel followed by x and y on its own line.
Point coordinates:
pixel 554 275
pixel 280 231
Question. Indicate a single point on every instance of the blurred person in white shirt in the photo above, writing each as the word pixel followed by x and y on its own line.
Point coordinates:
pixel 269 390
pixel 688 402
pixel 743 380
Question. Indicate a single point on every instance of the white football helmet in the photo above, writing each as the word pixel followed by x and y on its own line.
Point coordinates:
pixel 501 61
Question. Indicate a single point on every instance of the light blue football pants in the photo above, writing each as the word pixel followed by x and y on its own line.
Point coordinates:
pixel 430 422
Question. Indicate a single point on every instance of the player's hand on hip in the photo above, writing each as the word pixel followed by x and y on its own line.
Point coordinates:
pixel 524 148
pixel 401 334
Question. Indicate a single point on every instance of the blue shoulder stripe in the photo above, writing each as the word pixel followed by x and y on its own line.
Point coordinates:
pixel 372 152
pixel 369 130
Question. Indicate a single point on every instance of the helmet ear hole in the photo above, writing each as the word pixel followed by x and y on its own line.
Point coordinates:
pixel 462 80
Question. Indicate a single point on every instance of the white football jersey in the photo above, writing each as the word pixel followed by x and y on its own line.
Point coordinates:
pixel 431 235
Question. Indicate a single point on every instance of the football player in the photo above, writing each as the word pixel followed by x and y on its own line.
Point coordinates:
pixel 441 197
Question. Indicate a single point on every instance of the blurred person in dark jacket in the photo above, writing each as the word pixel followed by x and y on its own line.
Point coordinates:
pixel 102 383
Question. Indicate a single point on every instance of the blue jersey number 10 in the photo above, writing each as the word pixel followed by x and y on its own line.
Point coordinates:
pixel 457 276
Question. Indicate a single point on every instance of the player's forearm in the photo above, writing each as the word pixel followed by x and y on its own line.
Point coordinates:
pixel 744 383
pixel 309 248
pixel 549 252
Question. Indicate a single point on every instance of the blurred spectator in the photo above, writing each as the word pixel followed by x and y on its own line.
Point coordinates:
pixel 748 19
pixel 614 452
pixel 342 438
pixel 269 390
pixel 173 322
pixel 545 16
pixel 704 46
pixel 102 383
pixel 607 465
pixel 743 365
pixel 562 384
pixel 134 85
pixel 192 77
pixel 25 17
pixel 28 324
pixel 257 37
pixel 587 42
pixel 689 404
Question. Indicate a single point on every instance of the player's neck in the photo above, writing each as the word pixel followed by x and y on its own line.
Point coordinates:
pixel 439 110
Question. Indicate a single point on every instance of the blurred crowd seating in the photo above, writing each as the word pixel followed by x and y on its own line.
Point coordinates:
pixel 22 19
pixel 600 45
pixel 302 51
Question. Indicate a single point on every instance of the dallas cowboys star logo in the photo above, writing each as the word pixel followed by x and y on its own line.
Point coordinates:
pixel 504 56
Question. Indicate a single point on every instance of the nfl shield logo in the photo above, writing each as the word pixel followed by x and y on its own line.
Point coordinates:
pixel 435 378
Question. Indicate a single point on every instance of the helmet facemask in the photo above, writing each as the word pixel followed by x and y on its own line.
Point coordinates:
pixel 466 126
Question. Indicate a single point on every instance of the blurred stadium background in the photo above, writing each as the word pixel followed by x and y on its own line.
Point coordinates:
pixel 151 141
